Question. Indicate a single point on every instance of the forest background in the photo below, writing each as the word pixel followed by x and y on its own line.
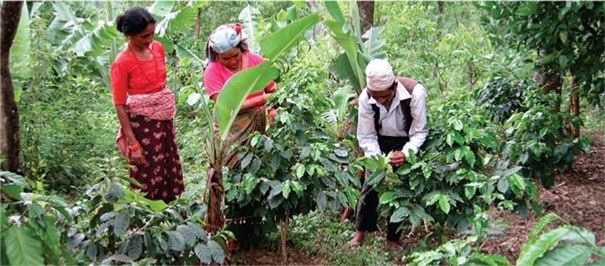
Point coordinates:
pixel 505 82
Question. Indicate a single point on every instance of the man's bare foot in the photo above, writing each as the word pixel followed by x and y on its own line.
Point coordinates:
pixel 355 242
pixel 346 214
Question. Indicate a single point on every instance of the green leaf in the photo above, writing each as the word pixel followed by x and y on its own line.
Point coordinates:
pixel 386 197
pixel 444 203
pixel 14 178
pixel 286 190
pixel 274 200
pixel 204 253
pixel 188 234
pixel 297 187
pixel 114 193
pixel 432 198
pixel 343 70
pixel 121 223
pixel 52 235
pixel 376 178
pixel 532 251
pixel 176 241
pixel 198 231
pixel 334 11
pixel 156 205
pixel 235 91
pixel 300 170
pixel 135 247
pixel 117 257
pixel 449 140
pixel 399 215
pixel 374 43
pixel 218 255
pixel 274 45
pixel 183 52
pixel 581 236
pixel 13 190
pixel 321 201
pixel 458 126
pixel 248 16
pixel 185 18
pixel 458 154
pixel 246 161
pixel 563 62
pixel 517 183
pixel 469 192
pixel 565 255
pixel 249 183
pixel 161 8
pixel 563 36
pixel 502 185
pixel 20 49
pixel 22 248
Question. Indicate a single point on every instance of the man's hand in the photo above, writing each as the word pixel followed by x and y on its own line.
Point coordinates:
pixel 397 159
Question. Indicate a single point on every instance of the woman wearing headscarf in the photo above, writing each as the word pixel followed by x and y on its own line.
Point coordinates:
pixel 145 108
pixel 227 51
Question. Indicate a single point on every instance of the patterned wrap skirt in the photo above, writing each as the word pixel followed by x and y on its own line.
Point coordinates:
pixel 243 125
pixel 162 176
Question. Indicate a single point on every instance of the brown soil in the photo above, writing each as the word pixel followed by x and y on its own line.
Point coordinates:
pixel 577 196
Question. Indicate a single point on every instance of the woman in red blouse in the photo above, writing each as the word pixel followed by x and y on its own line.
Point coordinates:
pixel 146 108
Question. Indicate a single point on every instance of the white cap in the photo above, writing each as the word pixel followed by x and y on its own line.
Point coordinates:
pixel 379 75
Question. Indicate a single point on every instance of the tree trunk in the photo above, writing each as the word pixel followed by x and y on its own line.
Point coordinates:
pixel 550 82
pixel 284 238
pixel 198 23
pixel 366 14
pixel 215 219
pixel 574 107
pixel 312 5
pixel 10 14
pixel 441 5
pixel 313 8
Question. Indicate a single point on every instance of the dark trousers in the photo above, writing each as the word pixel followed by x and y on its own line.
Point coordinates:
pixel 366 216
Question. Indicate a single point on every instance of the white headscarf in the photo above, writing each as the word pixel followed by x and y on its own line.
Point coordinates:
pixel 226 37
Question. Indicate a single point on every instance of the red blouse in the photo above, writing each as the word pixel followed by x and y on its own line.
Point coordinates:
pixel 130 75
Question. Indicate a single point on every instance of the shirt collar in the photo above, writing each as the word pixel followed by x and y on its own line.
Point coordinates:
pixel 401 93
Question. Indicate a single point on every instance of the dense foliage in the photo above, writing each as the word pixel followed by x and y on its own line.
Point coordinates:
pixel 492 130
pixel 568 37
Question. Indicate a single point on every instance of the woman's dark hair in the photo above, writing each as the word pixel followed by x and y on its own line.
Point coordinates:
pixel 134 21
pixel 212 55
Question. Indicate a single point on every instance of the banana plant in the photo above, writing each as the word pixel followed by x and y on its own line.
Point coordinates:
pixel 350 65
pixel 249 16
pixel 254 79
pixel 230 100
pixel 335 120
pixel 564 245
pixel 96 38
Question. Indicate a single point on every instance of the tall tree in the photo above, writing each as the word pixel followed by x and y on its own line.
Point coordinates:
pixel 10 14
pixel 366 14
pixel 569 39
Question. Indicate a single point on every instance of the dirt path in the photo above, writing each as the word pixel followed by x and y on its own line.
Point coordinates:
pixel 578 196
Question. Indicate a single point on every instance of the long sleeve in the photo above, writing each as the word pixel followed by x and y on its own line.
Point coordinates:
pixel 418 131
pixel 367 135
